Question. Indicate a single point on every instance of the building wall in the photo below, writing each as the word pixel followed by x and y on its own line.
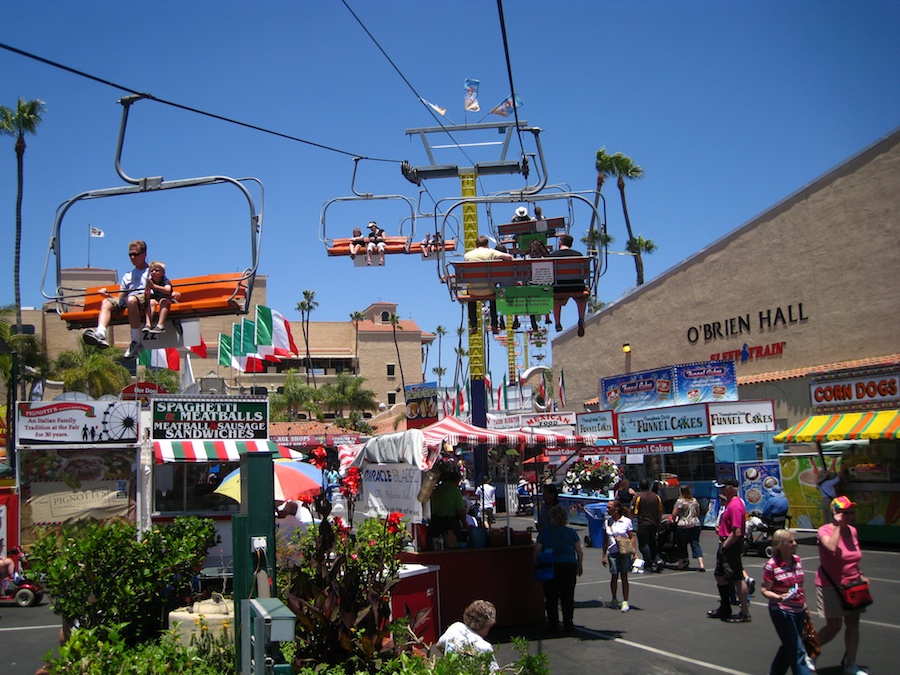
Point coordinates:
pixel 814 278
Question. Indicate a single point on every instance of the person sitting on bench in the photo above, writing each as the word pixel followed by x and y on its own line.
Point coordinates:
pixel 568 286
pixel 483 252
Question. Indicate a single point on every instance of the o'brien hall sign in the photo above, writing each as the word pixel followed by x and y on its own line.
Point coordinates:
pixel 210 419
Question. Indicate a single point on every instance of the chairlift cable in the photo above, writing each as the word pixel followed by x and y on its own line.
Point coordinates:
pixel 180 106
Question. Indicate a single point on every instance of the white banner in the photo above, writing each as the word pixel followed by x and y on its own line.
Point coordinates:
pixel 737 417
pixel 683 420
pixel 77 422
pixel 387 488
pixel 600 424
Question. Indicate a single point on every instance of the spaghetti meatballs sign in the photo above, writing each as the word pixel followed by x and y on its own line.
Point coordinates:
pixel 210 419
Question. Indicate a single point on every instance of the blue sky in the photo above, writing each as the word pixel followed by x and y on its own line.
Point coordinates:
pixel 727 106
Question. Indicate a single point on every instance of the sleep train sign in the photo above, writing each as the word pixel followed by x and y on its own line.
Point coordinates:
pixel 210 419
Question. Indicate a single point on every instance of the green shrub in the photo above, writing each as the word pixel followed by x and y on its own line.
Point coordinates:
pixel 105 577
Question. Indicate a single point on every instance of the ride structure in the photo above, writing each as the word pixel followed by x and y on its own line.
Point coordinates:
pixel 197 296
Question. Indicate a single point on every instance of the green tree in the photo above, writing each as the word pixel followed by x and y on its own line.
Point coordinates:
pixel 296 396
pixel 94 371
pixel 357 317
pixel 624 168
pixel 395 326
pixel 640 245
pixel 306 307
pixel 16 123
pixel 168 379
pixel 440 331
pixel 347 392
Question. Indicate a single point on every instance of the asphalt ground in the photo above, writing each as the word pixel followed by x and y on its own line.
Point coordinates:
pixel 666 631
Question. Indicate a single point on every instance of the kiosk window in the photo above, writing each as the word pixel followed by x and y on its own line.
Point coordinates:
pixel 189 488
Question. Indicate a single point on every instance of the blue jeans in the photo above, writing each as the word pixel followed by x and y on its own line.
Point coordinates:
pixel 791 653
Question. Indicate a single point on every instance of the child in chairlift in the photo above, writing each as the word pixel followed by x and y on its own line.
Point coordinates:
pixel 159 296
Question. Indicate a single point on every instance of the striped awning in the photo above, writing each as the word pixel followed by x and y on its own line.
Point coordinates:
pixel 216 451
pixel 874 425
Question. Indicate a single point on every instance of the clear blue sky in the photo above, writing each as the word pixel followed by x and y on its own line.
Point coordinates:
pixel 727 106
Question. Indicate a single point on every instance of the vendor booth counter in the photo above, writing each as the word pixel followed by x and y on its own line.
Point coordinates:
pixel 503 575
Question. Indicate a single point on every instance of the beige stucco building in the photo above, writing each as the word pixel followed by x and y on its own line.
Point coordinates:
pixel 810 285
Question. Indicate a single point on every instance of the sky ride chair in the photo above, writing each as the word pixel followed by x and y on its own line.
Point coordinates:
pixel 394 244
pixel 197 296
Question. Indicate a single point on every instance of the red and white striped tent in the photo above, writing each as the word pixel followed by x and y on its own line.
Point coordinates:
pixel 216 451
pixel 455 432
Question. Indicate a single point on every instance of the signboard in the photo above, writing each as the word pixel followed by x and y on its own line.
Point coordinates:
pixel 685 420
pixel 391 487
pixel 658 448
pixel 876 390
pixel 739 417
pixel 600 424
pixel 421 405
pixel 548 420
pixel 755 482
pixel 77 422
pixel 142 391
pixel 799 474
pixel 683 384
pixel 504 422
pixel 207 418
pixel 526 299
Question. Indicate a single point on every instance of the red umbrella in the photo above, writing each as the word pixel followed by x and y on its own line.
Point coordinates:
pixel 291 482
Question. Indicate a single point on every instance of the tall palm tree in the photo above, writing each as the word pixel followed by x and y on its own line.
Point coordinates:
pixel 356 317
pixel 603 164
pixel 440 331
pixel 24 120
pixel 395 326
pixel 306 307
pixel 623 168
pixel 641 245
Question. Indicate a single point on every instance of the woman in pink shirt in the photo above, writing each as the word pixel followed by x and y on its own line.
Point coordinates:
pixel 839 555
pixel 782 586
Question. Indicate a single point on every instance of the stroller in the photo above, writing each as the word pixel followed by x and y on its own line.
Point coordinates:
pixel 666 543
pixel 758 532
pixel 526 501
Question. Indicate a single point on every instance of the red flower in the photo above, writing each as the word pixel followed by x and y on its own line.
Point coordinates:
pixel 305 499
pixel 342 529
pixel 319 458
pixel 350 482
pixel 394 521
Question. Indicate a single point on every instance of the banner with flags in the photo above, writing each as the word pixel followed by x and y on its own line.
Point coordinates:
pixel 273 334
pixel 96 232
pixel 225 352
pixel 472 95
pixel 248 338
pixel 506 108
pixel 561 390
pixel 160 358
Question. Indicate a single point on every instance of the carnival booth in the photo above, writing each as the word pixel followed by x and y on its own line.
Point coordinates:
pixel 494 565
pixel 853 453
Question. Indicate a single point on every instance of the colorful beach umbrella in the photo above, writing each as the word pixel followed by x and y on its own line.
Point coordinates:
pixel 293 480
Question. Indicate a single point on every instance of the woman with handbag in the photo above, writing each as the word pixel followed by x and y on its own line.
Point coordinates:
pixel 619 546
pixel 782 586
pixel 688 525
pixel 839 555
pixel 568 557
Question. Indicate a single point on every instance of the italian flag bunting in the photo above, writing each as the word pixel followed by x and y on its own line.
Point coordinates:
pixel 160 358
pixel 273 334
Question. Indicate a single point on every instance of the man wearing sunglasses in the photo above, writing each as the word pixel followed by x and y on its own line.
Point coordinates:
pixel 130 299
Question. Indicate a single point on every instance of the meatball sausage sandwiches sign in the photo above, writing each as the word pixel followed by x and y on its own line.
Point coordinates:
pixel 210 419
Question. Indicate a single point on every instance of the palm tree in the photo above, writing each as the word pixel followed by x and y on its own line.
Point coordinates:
pixel 91 370
pixel 395 326
pixel 624 167
pixel 440 331
pixel 603 164
pixel 356 317
pixel 641 245
pixel 305 307
pixel 24 120
pixel 347 392
pixel 296 396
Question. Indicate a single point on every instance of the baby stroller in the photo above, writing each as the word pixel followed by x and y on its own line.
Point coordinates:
pixel 666 543
pixel 526 501
pixel 758 532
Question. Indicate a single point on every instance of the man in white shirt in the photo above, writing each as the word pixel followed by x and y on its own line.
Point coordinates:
pixel 486 495
pixel 467 637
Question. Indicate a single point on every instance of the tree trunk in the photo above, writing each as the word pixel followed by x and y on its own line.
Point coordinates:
pixel 638 261
pixel 20 161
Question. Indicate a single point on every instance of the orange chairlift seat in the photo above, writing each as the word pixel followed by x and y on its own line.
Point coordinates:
pixel 197 296
pixel 392 244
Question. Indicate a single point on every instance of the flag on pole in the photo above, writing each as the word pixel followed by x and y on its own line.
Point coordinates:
pixel 460 403
pixel 561 389
pixel 472 95
pixel 543 390
pixel 502 390
pixel 468 397
pixel 273 334
pixel 488 386
pixel 440 111
pixel 225 352
pixel 199 350
pixel 160 358
pixel 248 338
pixel 97 232
pixel 187 375
pixel 506 108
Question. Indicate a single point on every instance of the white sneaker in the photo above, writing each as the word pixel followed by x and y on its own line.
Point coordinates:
pixel 625 606
pixel 92 337
pixel 133 350
pixel 853 669
pixel 811 664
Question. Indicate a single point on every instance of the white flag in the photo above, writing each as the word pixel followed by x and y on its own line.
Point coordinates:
pixel 97 232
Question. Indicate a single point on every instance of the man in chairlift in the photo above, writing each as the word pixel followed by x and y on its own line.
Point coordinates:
pixel 376 242
pixel 565 249
pixel 131 298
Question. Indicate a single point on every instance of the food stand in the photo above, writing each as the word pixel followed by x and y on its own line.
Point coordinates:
pixel 862 448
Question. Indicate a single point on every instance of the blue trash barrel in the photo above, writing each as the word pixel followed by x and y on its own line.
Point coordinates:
pixel 596 520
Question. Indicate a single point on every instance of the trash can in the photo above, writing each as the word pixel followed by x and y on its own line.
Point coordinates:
pixel 596 520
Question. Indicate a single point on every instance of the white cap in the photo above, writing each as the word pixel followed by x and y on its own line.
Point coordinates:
pixel 521 211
